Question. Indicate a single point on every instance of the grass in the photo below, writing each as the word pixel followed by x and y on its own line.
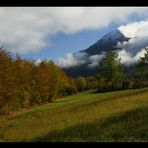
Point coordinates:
pixel 87 116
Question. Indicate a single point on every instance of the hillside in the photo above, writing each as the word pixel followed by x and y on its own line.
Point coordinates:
pixel 88 116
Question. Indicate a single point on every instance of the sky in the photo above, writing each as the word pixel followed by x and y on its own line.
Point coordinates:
pixel 52 32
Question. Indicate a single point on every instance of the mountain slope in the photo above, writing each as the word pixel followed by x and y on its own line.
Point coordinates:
pixel 109 41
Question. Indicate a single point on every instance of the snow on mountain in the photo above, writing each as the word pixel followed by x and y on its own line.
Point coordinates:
pixel 114 35
pixel 109 41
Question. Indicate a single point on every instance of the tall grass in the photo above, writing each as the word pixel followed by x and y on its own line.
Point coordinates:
pixel 88 116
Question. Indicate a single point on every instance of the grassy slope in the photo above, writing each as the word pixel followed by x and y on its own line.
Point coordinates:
pixel 88 116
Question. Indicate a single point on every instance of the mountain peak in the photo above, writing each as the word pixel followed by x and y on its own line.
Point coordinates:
pixel 109 41
pixel 113 35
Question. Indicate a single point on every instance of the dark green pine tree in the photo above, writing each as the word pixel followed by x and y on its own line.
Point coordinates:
pixel 142 69
pixel 111 70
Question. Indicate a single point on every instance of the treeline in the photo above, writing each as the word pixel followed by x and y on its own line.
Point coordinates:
pixel 25 83
pixel 112 75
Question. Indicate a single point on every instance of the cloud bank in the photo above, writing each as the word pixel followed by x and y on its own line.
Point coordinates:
pixel 138 32
pixel 80 58
pixel 30 29
pixel 128 58
pixel 95 59
pixel 70 60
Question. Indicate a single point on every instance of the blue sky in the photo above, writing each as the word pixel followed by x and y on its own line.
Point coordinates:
pixel 63 43
pixel 50 33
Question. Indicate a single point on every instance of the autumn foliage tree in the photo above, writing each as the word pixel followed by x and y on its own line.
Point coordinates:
pixel 7 86
pixel 24 83
pixel 81 83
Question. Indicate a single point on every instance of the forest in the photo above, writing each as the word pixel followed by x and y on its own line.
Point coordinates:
pixel 25 83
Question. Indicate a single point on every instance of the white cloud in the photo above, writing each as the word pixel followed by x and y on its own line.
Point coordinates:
pixel 128 58
pixel 72 60
pixel 140 54
pixel 29 29
pixel 138 31
pixel 95 59
pixel 80 58
pixel 37 62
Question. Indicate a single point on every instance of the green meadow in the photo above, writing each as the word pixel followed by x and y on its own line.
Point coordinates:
pixel 85 117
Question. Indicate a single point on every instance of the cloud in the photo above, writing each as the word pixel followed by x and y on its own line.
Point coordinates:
pixel 128 58
pixel 95 59
pixel 72 60
pixel 138 32
pixel 37 62
pixel 140 54
pixel 80 58
pixel 29 29
pixel 136 29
